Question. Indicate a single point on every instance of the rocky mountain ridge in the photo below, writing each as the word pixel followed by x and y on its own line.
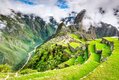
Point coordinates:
pixel 19 34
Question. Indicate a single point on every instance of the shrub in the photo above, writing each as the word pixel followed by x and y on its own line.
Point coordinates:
pixel 27 71
pixel 5 68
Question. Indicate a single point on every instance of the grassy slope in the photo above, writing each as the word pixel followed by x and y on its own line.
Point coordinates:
pixel 58 52
pixel 73 72
pixel 108 70
pixel 20 36
pixel 70 73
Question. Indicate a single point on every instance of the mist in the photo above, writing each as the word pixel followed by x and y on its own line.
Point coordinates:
pixel 46 8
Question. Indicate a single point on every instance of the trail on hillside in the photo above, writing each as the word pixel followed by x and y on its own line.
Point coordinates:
pixel 7 77
pixel 29 56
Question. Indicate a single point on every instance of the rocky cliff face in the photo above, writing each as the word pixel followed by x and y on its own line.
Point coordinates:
pixel 106 30
pixel 97 31
pixel 19 34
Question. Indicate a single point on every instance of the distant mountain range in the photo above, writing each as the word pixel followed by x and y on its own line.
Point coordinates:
pixel 21 33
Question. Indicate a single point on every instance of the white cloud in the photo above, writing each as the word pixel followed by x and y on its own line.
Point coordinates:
pixel 45 8
pixel 92 7
pixel 2 25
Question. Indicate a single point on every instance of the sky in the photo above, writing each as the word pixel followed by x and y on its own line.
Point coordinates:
pixel 29 2
pixel 61 8
pixel 60 3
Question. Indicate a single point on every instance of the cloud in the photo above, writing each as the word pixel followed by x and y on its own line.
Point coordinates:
pixel 46 8
pixel 43 8
pixel 92 7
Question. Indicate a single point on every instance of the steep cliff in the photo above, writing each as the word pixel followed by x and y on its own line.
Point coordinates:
pixel 20 34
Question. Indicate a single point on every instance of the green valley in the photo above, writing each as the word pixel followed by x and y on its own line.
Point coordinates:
pixel 72 60
pixel 34 48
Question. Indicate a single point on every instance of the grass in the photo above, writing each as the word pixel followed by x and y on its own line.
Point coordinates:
pixel 69 73
pixel 68 51
pixel 99 46
pixel 67 63
pixel 74 45
pixel 74 36
pixel 3 75
pixel 108 70
pixel 77 38
pixel 91 49
pixel 92 69
pixel 105 49
pixel 79 60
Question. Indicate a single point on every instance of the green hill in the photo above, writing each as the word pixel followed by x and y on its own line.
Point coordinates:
pixel 20 36
pixel 95 60
pixel 32 49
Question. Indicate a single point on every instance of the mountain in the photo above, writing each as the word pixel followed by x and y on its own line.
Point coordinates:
pixel 20 34
pixel 69 45
pixel 64 51
pixel 101 29
pixel 69 56
pixel 106 30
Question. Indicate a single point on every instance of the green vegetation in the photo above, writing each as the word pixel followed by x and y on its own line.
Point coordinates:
pixel 74 45
pixel 55 55
pixel 5 68
pixel 108 70
pixel 98 61
pixel 20 36
pixel 27 71
pixel 48 57
pixel 77 37
pixel 71 54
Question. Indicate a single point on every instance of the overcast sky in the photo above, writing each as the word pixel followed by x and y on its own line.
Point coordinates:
pixel 61 8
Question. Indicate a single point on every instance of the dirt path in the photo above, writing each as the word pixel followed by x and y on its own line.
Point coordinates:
pixel 7 77
pixel 29 56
